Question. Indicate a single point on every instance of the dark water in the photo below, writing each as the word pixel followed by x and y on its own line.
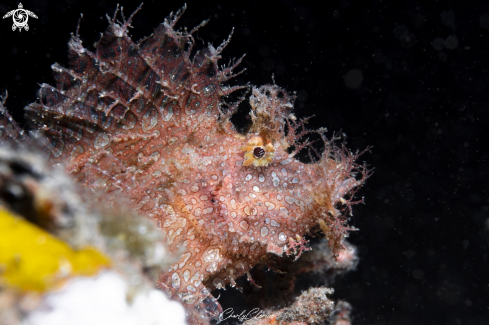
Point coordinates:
pixel 409 78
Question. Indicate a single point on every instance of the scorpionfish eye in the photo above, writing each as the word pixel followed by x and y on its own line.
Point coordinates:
pixel 257 153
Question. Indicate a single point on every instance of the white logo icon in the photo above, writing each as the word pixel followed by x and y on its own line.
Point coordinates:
pixel 20 17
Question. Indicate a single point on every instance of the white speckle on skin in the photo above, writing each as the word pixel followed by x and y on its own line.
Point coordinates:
pixel 275 223
pixel 276 181
pixel 289 199
pixel 282 236
pixel 207 210
pixel 244 225
pixel 182 192
pixel 270 205
pixel 175 281
pixel 286 161
pixel 186 275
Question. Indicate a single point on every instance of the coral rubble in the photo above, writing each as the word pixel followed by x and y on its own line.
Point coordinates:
pixel 312 307
pixel 54 234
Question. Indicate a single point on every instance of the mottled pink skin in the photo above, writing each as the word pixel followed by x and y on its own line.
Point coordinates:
pixel 146 125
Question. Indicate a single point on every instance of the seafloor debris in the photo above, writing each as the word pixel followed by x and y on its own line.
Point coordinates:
pixel 147 127
pixel 280 280
pixel 312 307
pixel 52 235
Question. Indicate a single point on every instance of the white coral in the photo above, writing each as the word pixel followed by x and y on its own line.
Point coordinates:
pixel 103 300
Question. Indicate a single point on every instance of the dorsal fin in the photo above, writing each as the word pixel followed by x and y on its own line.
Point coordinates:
pixel 126 89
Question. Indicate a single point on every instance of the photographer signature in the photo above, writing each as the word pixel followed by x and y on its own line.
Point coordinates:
pixel 255 313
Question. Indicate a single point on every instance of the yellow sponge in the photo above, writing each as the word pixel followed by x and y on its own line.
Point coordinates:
pixel 32 259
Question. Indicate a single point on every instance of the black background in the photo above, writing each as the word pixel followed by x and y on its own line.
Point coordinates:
pixel 422 103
